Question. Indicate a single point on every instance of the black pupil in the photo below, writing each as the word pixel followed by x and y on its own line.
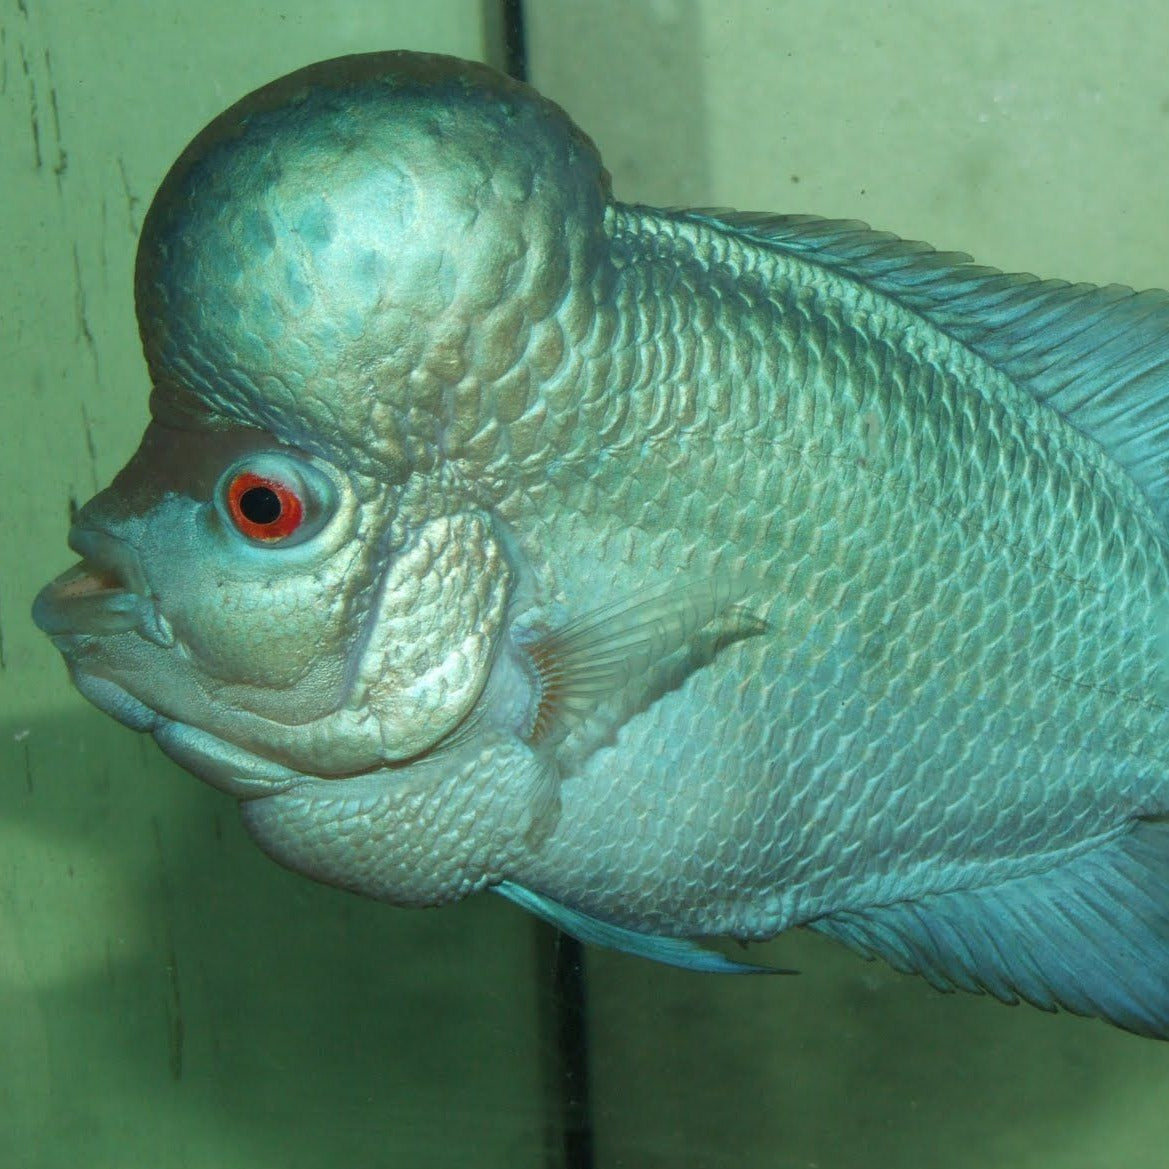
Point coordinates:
pixel 260 505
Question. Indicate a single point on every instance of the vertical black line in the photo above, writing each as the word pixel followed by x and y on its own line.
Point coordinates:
pixel 570 998
pixel 560 957
pixel 515 46
pixel 563 1024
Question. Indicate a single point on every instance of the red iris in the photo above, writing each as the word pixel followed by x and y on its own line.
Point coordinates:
pixel 263 508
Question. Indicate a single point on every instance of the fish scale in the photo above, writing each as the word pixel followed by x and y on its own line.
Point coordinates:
pixel 975 426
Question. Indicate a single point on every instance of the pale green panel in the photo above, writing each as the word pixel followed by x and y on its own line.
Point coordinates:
pixel 1037 137
pixel 168 997
pixel 1034 136
pixel 632 76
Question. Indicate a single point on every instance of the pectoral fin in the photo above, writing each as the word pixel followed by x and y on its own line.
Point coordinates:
pixel 595 672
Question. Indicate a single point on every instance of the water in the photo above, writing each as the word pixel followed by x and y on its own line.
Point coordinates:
pixel 167 996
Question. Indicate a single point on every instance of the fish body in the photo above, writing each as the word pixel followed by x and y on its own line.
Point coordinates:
pixel 675 574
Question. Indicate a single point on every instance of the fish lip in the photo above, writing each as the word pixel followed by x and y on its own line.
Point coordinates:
pixel 109 556
pixel 104 593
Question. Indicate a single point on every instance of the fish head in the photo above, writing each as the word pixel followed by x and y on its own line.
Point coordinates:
pixel 226 582
pixel 298 574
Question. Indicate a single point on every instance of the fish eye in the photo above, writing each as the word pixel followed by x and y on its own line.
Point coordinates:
pixel 274 498
pixel 263 509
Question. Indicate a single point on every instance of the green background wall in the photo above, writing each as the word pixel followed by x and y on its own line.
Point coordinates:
pixel 170 998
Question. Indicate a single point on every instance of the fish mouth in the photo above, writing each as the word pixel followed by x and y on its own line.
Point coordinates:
pixel 105 593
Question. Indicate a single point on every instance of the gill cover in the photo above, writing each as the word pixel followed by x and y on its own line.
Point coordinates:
pixel 431 646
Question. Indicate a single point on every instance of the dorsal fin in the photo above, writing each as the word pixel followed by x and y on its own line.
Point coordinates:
pixel 1097 354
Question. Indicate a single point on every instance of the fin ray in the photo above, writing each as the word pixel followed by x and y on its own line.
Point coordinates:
pixel 621 646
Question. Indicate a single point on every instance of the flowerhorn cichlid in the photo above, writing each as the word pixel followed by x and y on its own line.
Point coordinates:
pixel 675 574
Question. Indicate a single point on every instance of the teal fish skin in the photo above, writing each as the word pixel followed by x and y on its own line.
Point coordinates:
pixel 673 573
